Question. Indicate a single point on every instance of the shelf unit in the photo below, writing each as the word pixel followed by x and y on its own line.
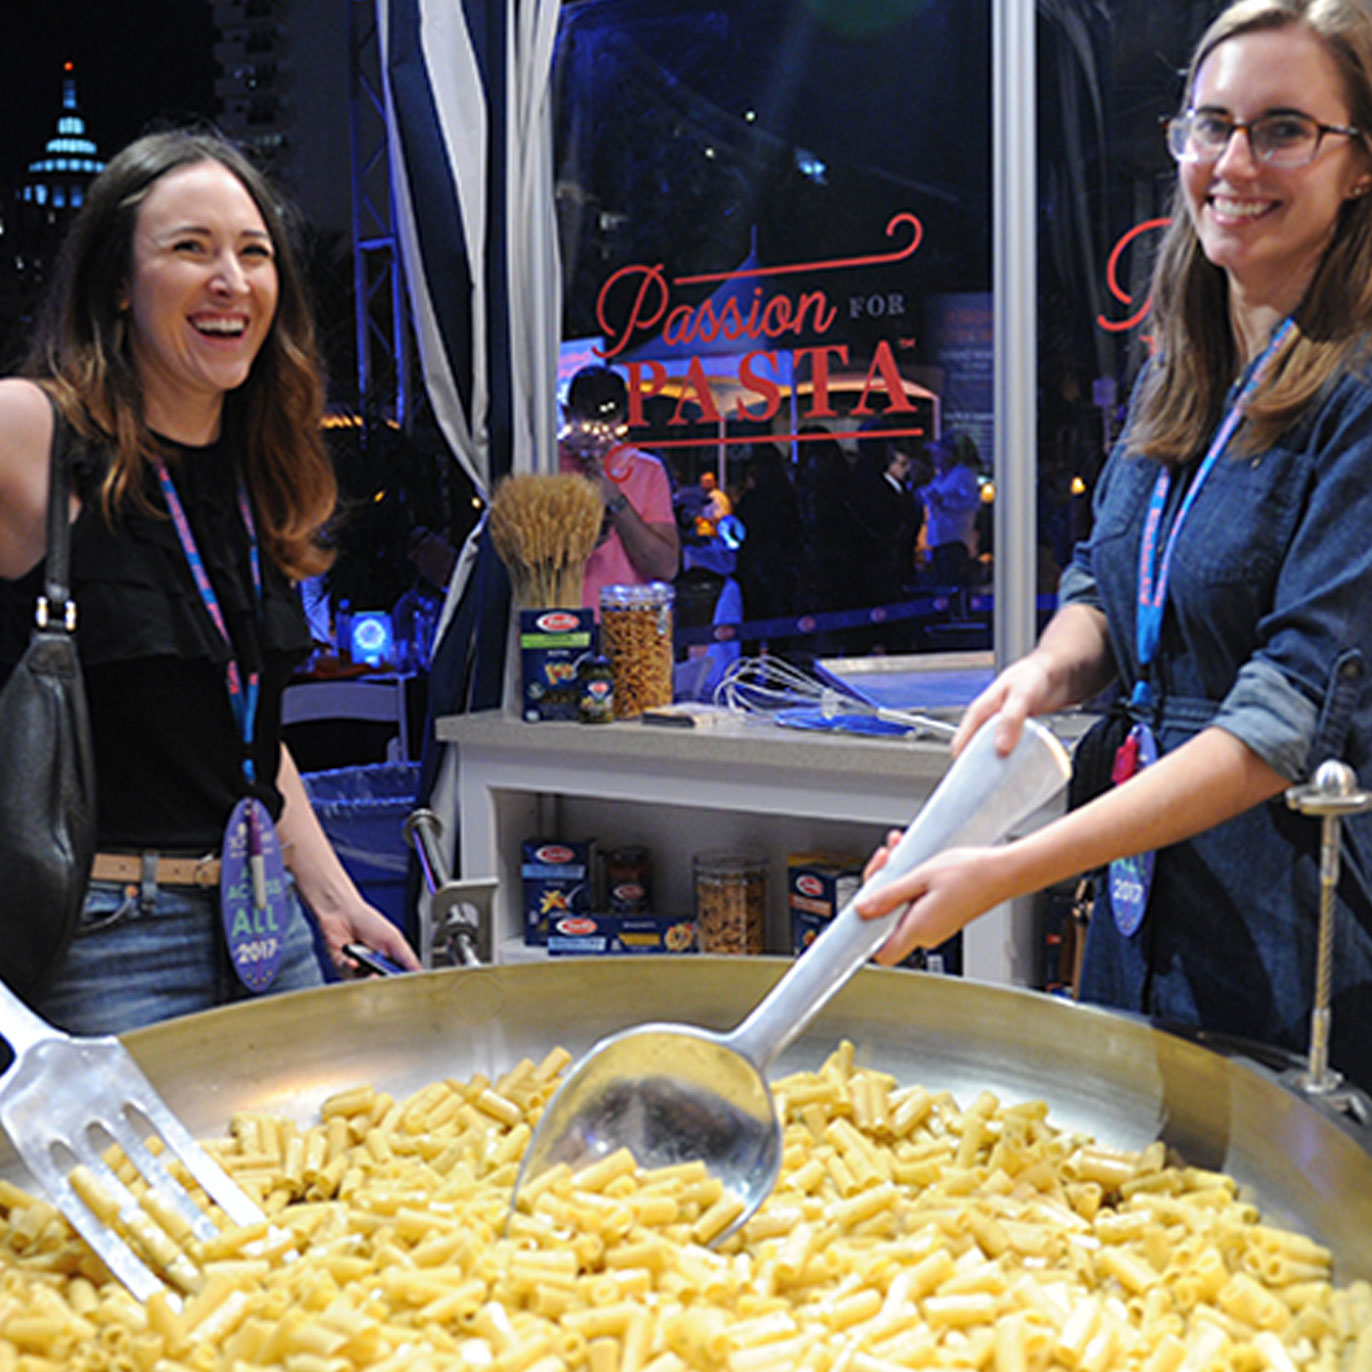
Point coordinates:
pixel 742 780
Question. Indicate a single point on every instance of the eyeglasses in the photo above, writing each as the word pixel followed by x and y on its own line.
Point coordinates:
pixel 1284 138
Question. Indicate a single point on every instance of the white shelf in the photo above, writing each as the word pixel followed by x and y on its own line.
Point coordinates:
pixel 678 790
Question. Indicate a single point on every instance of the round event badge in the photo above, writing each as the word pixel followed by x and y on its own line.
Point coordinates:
pixel 253 896
pixel 1130 879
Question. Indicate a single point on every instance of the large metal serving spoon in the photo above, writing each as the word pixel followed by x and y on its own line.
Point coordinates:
pixel 674 1093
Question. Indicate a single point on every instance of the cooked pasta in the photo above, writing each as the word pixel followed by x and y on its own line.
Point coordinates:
pixel 905 1232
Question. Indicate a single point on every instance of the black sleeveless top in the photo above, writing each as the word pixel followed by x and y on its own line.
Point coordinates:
pixel 167 749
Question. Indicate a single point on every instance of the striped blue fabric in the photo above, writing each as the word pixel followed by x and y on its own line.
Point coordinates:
pixel 469 122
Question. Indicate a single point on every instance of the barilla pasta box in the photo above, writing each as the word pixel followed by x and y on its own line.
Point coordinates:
pixel 557 882
pixel 551 646
pixel 818 886
pixel 598 935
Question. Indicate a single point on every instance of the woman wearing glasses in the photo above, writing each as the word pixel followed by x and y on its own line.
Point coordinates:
pixel 1227 585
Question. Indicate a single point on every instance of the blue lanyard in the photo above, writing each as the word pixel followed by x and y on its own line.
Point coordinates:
pixel 243 694
pixel 1154 573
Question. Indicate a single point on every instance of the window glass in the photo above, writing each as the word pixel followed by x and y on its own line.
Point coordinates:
pixel 775 222
pixel 774 214
pixel 1108 73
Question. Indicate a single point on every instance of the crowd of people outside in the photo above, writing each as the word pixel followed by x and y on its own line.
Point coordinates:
pixel 828 525
pixel 837 523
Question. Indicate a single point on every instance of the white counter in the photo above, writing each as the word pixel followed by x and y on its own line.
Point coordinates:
pixel 677 791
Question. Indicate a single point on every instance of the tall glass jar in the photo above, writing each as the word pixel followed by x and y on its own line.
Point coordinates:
pixel 730 901
pixel 636 635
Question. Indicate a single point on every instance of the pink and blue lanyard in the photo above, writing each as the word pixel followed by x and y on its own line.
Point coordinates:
pixel 243 689
pixel 253 893
pixel 1154 573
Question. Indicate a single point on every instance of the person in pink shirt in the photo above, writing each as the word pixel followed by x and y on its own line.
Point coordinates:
pixel 638 540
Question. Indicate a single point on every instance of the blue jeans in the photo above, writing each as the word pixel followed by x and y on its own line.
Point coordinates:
pixel 134 963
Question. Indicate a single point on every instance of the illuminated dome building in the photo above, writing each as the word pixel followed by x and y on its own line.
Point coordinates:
pixel 53 189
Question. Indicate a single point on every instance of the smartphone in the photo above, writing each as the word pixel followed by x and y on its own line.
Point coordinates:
pixel 369 963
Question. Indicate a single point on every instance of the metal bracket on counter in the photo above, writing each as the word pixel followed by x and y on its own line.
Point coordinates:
pixel 1342 1103
pixel 1332 793
pixel 457 922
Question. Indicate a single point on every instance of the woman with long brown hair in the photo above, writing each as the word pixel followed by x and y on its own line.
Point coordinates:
pixel 177 347
pixel 1227 583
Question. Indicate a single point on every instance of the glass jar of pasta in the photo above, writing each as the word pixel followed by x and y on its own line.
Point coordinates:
pixel 730 901
pixel 636 635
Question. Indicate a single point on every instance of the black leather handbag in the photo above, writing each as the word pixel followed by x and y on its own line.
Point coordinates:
pixel 47 769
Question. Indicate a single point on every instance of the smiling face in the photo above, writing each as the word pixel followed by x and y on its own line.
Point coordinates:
pixel 1267 226
pixel 201 299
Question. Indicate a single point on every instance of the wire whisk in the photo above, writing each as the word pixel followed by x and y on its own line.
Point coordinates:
pixel 773 686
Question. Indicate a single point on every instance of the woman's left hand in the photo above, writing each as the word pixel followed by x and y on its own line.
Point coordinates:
pixel 362 923
pixel 941 896
pixel 325 887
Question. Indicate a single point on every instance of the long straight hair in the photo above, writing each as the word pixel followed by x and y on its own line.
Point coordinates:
pixel 1182 395
pixel 81 354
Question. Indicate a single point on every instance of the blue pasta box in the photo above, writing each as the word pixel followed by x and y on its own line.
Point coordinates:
pixel 599 935
pixel 557 882
pixel 552 644
pixel 818 886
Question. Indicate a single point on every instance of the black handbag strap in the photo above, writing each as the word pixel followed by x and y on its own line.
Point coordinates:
pixel 56 609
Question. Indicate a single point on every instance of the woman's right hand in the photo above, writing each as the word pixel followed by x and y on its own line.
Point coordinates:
pixel 1024 688
pixel 1072 662
pixel 940 897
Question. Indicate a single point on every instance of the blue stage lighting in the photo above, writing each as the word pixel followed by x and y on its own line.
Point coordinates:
pixel 371 638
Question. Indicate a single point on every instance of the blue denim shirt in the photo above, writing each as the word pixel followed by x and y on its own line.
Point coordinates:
pixel 1267 635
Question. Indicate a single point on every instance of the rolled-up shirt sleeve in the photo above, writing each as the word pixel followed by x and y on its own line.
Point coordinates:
pixel 1272 716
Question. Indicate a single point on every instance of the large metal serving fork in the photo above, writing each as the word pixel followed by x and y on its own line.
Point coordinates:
pixel 64 1101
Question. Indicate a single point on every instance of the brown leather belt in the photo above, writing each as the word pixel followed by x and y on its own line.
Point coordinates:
pixel 170 871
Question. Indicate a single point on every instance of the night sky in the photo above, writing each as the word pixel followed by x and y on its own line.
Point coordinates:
pixel 137 62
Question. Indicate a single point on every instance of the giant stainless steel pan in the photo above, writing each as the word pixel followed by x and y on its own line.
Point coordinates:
pixel 1119 1078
